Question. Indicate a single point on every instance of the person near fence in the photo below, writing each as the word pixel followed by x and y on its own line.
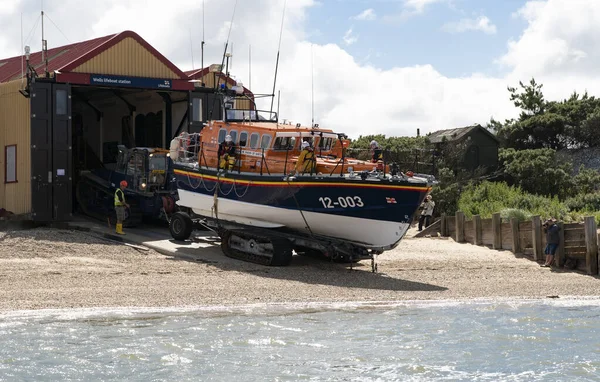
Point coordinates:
pixel 226 154
pixel 552 241
pixel 426 211
pixel 305 159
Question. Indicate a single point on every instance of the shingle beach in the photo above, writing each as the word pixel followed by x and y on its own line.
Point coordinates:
pixel 48 268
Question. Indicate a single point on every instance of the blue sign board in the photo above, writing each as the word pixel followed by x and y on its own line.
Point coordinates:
pixel 132 82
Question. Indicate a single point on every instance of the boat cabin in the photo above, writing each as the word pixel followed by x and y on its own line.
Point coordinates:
pixel 264 145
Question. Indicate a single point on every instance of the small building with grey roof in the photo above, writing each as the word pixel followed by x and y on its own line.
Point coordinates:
pixel 478 144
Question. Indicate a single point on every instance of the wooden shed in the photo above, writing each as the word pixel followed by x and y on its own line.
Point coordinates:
pixel 479 147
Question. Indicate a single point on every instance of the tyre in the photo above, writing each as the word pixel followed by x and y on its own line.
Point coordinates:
pixel 181 226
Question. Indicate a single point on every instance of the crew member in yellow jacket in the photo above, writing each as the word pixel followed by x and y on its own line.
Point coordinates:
pixel 120 205
pixel 305 159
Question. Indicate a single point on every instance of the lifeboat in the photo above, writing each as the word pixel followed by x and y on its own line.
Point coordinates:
pixel 263 207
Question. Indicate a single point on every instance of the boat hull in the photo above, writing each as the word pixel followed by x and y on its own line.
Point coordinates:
pixel 375 215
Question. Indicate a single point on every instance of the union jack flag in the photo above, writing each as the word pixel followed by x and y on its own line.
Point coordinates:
pixel 390 200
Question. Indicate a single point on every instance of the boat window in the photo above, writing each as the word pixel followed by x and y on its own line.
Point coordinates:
pixel 233 134
pixel 265 141
pixel 243 138
pixel 325 143
pixel 254 141
pixel 222 134
pixel 284 143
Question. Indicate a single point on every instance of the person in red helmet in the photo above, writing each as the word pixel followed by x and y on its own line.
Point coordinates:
pixel 120 205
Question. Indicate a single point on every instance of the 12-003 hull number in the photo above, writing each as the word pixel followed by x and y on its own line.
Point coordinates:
pixel 342 201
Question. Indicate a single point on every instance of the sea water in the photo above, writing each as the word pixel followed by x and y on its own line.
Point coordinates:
pixel 484 340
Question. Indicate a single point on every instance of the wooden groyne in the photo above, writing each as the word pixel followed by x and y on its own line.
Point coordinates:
pixel 578 247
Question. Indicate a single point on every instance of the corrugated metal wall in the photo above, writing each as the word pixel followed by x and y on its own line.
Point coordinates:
pixel 15 130
pixel 127 58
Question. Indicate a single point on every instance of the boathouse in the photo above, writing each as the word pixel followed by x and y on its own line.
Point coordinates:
pixel 64 110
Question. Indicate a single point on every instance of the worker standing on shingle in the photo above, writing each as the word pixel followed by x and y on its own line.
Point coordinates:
pixel 120 205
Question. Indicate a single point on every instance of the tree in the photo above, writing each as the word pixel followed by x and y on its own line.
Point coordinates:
pixel 538 172
pixel 530 100
pixel 581 129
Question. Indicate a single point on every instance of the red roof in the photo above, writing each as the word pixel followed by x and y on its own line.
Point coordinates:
pixel 68 57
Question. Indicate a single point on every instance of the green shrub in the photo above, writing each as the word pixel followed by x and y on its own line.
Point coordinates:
pixel 584 202
pixel 521 215
pixel 446 193
pixel 488 198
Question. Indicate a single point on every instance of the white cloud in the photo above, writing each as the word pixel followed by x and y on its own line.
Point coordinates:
pixel 366 15
pixel 482 23
pixel 9 6
pixel 410 9
pixel 349 38
pixel 559 47
pixel 419 5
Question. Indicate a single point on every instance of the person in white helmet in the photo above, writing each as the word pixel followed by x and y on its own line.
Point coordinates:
pixel 377 152
pixel 305 159
pixel 226 154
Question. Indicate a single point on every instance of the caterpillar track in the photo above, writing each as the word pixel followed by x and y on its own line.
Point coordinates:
pixel 251 247
pixel 262 247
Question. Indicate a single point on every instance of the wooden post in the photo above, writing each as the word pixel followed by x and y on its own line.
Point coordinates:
pixel 444 226
pixel 477 228
pixel 591 243
pixel 598 254
pixel 514 228
pixel 497 230
pixel 560 252
pixel 460 227
pixel 536 232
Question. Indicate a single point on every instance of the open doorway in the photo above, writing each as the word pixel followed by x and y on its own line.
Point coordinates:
pixel 105 120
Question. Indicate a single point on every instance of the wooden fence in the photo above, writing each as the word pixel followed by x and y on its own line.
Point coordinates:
pixel 578 241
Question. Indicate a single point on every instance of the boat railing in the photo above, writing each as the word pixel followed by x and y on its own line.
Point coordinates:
pixel 270 161
pixel 185 148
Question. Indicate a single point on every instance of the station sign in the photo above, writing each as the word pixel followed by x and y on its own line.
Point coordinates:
pixel 132 82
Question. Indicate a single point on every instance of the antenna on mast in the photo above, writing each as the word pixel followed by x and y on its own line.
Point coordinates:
pixel 44 43
pixel 226 44
pixel 22 47
pixel 277 62
pixel 192 50
pixel 250 67
pixel 312 86
pixel 278 102
pixel 202 44
pixel 223 59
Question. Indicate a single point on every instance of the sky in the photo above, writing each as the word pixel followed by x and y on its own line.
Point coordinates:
pixel 365 66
